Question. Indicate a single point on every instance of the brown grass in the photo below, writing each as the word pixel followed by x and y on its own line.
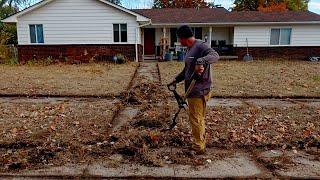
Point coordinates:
pixel 87 79
pixel 258 78
pixel 38 132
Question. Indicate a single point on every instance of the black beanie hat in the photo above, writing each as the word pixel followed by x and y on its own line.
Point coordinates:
pixel 184 32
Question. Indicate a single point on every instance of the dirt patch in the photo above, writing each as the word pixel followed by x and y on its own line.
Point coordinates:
pixel 148 123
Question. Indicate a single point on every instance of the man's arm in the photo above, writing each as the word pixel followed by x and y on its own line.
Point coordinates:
pixel 208 54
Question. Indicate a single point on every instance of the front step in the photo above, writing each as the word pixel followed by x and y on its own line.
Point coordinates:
pixel 149 57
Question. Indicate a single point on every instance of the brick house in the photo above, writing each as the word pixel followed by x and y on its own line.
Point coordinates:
pixel 86 29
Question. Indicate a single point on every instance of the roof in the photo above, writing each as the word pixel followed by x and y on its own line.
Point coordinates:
pixel 287 16
pixel 13 18
pixel 223 16
pixel 183 15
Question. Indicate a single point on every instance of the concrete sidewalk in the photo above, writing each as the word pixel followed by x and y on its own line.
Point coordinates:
pixel 229 165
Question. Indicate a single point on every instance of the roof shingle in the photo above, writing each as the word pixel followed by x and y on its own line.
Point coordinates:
pixel 221 15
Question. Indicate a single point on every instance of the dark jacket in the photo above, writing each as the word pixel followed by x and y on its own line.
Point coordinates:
pixel 199 52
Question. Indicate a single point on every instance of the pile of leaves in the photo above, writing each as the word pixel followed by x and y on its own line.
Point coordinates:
pixel 140 139
pixel 146 93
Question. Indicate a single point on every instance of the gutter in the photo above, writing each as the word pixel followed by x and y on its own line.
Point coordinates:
pixel 237 23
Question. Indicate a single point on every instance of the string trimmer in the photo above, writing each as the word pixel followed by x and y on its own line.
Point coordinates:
pixel 182 104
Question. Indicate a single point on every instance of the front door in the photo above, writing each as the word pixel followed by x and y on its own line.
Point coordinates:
pixel 149 41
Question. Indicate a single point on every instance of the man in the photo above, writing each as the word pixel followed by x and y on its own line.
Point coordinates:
pixel 198 58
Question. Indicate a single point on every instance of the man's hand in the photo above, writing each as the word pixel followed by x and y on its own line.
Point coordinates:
pixel 199 69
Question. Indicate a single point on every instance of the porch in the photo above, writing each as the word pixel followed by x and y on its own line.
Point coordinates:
pixel 159 40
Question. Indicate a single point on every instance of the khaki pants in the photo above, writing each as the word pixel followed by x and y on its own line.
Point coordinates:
pixel 197 109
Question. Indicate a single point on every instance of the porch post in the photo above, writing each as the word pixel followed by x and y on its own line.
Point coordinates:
pixel 142 42
pixel 210 35
pixel 136 45
pixel 164 40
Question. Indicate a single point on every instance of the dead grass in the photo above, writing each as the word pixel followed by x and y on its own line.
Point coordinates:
pixel 42 132
pixel 254 126
pixel 258 78
pixel 86 79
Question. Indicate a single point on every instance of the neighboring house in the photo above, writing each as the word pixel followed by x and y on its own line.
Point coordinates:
pixel 86 29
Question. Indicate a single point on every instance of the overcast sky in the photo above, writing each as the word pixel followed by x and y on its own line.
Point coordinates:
pixel 314 5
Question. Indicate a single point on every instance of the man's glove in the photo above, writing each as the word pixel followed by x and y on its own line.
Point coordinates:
pixel 197 77
pixel 200 61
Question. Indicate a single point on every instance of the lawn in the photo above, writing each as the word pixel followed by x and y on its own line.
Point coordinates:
pixel 86 79
pixel 258 78
pixel 40 132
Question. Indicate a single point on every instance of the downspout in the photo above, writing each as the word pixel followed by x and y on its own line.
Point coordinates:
pixel 136 44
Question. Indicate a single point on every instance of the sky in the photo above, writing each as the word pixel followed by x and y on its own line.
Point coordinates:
pixel 314 5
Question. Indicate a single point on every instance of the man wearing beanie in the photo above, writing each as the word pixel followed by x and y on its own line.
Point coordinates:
pixel 198 60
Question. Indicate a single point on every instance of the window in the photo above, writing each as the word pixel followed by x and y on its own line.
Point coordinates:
pixel 280 36
pixel 36 33
pixel 173 36
pixel 197 31
pixel 120 33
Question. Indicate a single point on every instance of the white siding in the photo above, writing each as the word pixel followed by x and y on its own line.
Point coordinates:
pixel 259 36
pixel 76 22
pixel 306 35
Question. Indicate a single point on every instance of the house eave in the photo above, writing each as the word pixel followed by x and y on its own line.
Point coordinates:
pixel 14 18
pixel 236 23
pixel 139 16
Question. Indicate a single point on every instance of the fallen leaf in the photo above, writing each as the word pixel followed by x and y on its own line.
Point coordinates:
pixel 257 137
pixel 52 128
pixel 307 133
pixel 14 130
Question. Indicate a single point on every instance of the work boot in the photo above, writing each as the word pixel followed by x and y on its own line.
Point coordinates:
pixel 198 151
